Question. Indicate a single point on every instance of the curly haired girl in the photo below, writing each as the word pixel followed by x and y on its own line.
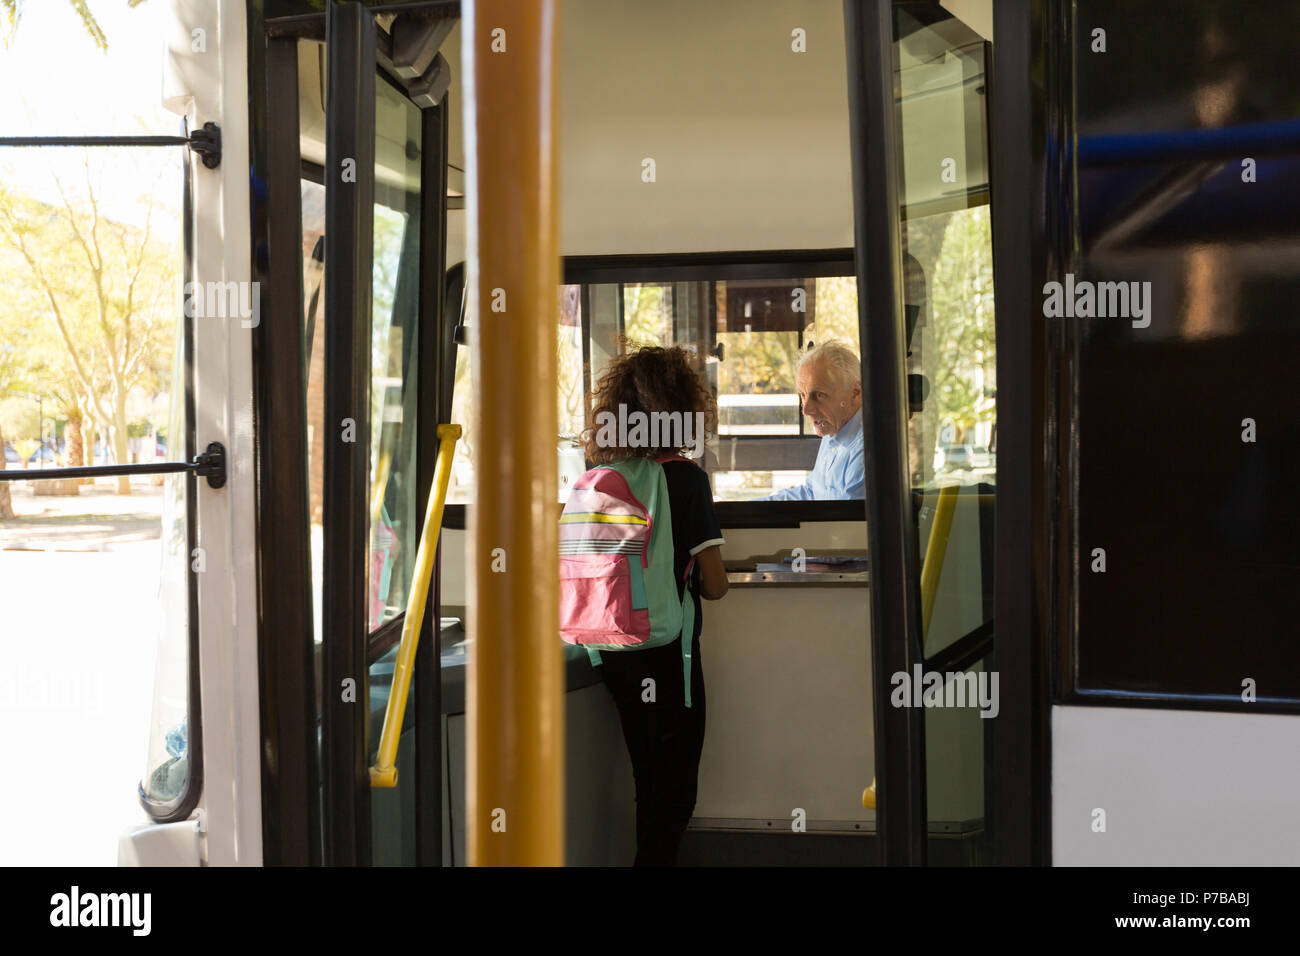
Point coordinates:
pixel 664 736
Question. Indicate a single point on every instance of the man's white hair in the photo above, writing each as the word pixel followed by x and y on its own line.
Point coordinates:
pixel 840 360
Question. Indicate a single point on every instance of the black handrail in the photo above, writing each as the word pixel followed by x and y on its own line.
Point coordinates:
pixel 206 142
pixel 963 652
pixel 211 464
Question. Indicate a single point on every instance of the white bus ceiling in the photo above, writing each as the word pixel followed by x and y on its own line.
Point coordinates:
pixel 750 140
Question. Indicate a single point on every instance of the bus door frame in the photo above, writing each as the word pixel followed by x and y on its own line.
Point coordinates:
pixel 1017 810
pixel 895 610
pixel 332 823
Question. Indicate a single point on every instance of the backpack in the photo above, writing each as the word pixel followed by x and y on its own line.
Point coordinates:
pixel 617 587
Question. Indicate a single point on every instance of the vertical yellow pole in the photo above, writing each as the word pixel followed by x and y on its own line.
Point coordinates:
pixel 515 688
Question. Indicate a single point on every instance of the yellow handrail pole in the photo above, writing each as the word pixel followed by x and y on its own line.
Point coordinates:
pixel 935 550
pixel 934 553
pixel 384 772
pixel 515 675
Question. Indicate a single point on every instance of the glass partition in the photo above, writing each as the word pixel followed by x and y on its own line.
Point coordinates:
pixel 952 420
pixel 746 335
pixel 394 511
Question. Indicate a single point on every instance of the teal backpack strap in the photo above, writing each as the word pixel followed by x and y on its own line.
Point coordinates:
pixel 594 656
pixel 688 629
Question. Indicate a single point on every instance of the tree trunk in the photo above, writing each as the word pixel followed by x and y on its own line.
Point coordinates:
pixel 119 441
pixel 75 456
pixel 6 503
pixel 76 453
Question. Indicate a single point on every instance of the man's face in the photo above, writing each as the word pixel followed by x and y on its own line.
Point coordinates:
pixel 828 405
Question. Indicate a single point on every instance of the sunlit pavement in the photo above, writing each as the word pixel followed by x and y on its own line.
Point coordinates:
pixel 77 642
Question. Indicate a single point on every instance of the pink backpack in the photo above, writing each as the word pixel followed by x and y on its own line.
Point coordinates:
pixel 618 591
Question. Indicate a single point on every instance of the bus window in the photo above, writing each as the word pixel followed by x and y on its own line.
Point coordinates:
pixel 746 335
pixel 571 399
pixel 167 764
pixel 762 327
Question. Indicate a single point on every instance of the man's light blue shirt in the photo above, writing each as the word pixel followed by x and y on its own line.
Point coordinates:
pixel 838 473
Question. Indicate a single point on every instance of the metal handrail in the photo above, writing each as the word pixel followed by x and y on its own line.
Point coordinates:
pixel 384 772
pixel 206 142
pixel 211 464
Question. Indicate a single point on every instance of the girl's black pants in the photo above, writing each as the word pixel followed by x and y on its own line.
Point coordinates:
pixel 664 739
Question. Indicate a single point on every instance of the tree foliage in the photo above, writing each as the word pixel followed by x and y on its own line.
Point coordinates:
pixel 963 321
pixel 95 301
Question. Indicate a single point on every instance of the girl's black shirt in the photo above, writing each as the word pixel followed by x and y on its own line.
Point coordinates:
pixel 695 524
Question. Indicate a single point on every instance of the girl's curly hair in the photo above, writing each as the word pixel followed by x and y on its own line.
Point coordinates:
pixel 647 380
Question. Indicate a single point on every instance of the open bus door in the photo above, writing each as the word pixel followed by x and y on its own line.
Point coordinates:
pixel 355 231
pixel 918 115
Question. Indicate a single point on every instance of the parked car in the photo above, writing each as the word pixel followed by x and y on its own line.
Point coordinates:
pixel 12 457
pixel 982 457
pixel 953 457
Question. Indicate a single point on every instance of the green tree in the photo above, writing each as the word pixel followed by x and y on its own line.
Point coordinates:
pixel 963 343
pixel 105 298
pixel 647 313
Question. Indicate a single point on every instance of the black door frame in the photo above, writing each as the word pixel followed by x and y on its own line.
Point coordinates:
pixel 1018 813
pixel 1026 44
pixel 895 588
pixel 291 812
pixel 350 37
pixel 332 803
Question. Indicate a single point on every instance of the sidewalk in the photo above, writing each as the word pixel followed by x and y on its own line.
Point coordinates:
pixel 97 519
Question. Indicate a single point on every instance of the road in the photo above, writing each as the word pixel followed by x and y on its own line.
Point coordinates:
pixel 77 644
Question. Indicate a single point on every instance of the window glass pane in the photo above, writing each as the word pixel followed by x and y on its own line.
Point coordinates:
pixel 951 423
pixel 393 511
pixel 1181 396
pixel 647 315
pixel 460 490
pixel 571 398
pixel 951 262
pixel 759 334
pixel 95 639
pixel 571 388
pixel 392 508
pixel 167 765
pixel 746 336
pixel 119 53
pixel 313 290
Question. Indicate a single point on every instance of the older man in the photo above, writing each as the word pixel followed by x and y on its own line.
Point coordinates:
pixel 829 381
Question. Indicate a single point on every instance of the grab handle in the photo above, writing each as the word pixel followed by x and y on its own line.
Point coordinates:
pixel 384 772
